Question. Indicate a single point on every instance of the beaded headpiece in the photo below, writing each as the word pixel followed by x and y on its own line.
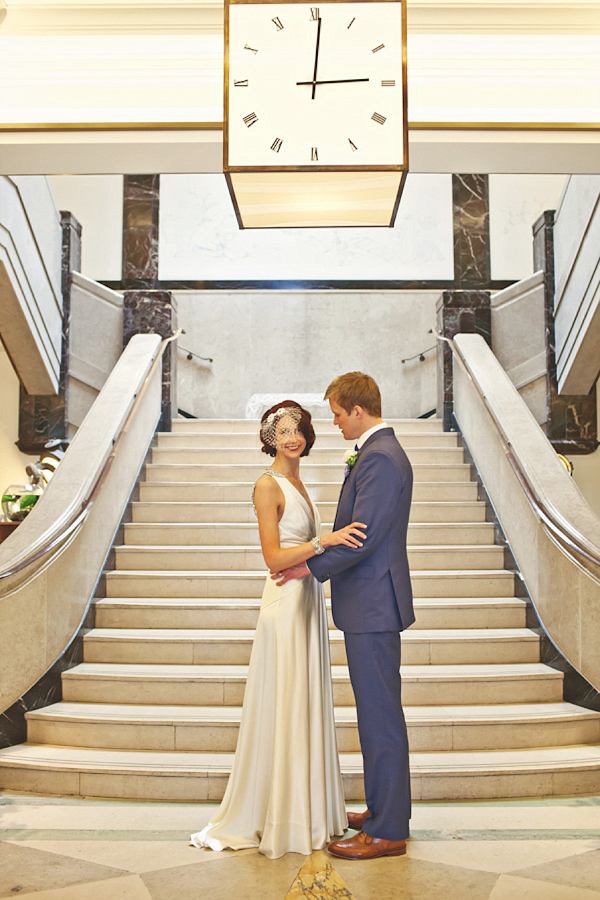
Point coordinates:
pixel 269 431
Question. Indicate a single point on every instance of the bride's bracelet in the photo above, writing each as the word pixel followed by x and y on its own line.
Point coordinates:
pixel 317 546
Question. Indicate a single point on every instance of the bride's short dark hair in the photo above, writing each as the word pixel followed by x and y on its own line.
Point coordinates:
pixel 304 425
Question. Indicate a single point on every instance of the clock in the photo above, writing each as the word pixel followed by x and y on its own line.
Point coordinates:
pixel 315 112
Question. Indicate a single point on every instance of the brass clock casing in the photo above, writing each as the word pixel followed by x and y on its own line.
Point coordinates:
pixel 316 130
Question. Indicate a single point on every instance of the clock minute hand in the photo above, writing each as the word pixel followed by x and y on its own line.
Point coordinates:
pixel 314 80
pixel 333 81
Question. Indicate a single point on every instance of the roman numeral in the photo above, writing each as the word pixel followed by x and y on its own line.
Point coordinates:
pixel 276 145
pixel 247 47
pixel 277 23
pixel 243 83
pixel 353 20
pixel 352 145
pixel 314 156
pixel 375 49
pixel 250 119
pixel 390 83
pixel 314 14
pixel 378 118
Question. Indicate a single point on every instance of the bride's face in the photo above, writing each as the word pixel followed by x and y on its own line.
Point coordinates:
pixel 289 439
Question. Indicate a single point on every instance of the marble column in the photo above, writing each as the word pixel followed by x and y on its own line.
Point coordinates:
pixel 44 418
pixel 571 423
pixel 155 312
pixel 470 216
pixel 458 311
pixel 140 230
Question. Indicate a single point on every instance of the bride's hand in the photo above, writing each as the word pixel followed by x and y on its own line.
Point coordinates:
pixel 350 536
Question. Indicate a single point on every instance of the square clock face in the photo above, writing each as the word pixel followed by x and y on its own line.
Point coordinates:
pixel 315 86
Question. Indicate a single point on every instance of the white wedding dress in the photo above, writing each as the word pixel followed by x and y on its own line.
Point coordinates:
pixel 285 789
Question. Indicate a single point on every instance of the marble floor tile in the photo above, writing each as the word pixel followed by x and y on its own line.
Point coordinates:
pixel 129 888
pixel 318 878
pixel 235 878
pixel 130 856
pixel 579 871
pixel 24 870
pixel 511 887
pixel 392 878
pixel 497 856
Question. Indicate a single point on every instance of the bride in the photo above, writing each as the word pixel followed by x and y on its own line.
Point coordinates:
pixel 285 789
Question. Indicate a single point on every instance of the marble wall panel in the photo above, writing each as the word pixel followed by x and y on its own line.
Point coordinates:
pixel 470 218
pixel 140 230
pixel 43 418
pixel 456 312
pixel 572 425
pixel 155 312
pixel 296 342
pixel 200 239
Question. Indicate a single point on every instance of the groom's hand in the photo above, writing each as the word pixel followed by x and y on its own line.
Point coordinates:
pixel 298 571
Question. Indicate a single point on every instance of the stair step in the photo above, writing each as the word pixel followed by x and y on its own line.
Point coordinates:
pixel 235 534
pixel 326 440
pixel 323 426
pixel 148 583
pixel 240 511
pixel 210 728
pixel 319 456
pixel 233 646
pixel 183 490
pixel 216 685
pixel 195 777
pixel 189 558
pixel 328 472
pixel 240 612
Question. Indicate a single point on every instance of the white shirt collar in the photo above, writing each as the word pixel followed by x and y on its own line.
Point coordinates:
pixel 367 434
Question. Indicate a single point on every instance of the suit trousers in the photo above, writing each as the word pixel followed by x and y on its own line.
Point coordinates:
pixel 374 664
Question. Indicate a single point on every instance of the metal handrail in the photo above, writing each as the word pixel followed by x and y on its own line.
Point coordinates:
pixel 74 523
pixel 570 538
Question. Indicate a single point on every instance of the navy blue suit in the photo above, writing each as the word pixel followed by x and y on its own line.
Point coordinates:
pixel 371 599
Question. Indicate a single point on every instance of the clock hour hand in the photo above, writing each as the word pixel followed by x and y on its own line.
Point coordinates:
pixel 333 81
pixel 314 80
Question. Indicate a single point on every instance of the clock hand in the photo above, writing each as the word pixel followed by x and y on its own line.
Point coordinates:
pixel 314 81
pixel 334 81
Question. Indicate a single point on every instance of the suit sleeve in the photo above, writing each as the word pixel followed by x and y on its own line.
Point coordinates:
pixel 379 485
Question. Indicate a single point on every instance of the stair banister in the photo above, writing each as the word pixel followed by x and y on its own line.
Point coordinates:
pixel 553 533
pixel 50 565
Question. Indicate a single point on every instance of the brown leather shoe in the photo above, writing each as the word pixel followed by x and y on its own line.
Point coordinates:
pixel 357 820
pixel 363 846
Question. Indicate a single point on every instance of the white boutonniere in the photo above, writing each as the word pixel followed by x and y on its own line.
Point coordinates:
pixel 350 457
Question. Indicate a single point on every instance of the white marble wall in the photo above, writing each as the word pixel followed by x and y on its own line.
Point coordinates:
pixel 12 461
pixel 96 344
pixel 96 201
pixel 577 297
pixel 516 201
pixel 297 341
pixel 30 281
pixel 200 239
pixel 519 340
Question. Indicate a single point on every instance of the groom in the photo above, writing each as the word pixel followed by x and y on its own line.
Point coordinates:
pixel 371 601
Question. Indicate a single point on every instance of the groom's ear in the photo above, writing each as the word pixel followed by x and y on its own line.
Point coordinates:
pixel 359 411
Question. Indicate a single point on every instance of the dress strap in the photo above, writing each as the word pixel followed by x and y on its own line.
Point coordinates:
pixel 271 472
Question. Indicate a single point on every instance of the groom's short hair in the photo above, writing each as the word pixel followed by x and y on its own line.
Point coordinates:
pixel 355 389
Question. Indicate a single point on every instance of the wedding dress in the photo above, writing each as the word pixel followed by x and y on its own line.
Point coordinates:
pixel 285 789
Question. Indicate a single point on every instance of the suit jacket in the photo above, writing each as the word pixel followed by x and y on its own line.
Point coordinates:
pixel 370 586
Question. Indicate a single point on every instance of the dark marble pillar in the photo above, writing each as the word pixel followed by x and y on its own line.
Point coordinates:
pixel 458 311
pixel 140 230
pixel 571 423
pixel 155 312
pixel 43 418
pixel 470 216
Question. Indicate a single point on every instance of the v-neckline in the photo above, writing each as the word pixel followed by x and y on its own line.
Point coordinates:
pixel 308 503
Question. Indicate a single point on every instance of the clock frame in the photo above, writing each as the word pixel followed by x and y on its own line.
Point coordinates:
pixel 325 191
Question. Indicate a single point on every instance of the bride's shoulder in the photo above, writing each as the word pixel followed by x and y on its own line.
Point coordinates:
pixel 267 486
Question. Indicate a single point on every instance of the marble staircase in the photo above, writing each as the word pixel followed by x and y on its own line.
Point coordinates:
pixel 154 709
